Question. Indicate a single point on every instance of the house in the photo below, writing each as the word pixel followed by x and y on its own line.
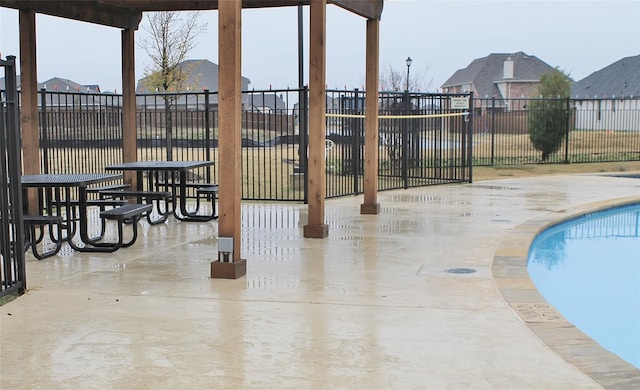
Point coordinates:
pixel 67 93
pixel 620 79
pixel 201 75
pixel 609 99
pixel 267 103
pixel 501 76
pixel 58 84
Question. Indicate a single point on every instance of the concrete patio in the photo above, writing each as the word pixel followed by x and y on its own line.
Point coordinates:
pixel 370 307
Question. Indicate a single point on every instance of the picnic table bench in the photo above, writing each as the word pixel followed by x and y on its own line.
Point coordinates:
pixel 129 214
pixel 175 176
pixel 33 238
pixel 209 192
pixel 162 199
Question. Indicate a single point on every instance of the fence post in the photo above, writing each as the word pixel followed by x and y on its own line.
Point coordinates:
pixel 207 132
pixel 355 155
pixel 470 138
pixel 568 125
pixel 168 126
pixel 12 259
pixel 493 129
pixel 405 139
pixel 303 132
pixel 44 134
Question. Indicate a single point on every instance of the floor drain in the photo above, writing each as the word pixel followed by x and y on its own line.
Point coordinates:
pixel 460 271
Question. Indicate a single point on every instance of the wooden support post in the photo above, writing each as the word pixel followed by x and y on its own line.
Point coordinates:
pixel 316 228
pixel 129 138
pixel 29 117
pixel 371 205
pixel 230 137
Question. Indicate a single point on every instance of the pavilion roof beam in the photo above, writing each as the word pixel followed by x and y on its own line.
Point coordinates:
pixel 127 13
pixel 97 12
pixel 370 9
pixel 164 5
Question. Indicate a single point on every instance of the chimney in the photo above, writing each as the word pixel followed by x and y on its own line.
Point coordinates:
pixel 508 69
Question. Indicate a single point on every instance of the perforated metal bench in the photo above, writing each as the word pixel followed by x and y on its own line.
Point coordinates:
pixel 146 197
pixel 129 214
pixel 96 190
pixel 34 238
pixel 211 193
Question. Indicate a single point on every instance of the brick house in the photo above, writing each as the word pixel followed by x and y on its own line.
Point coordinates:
pixel 501 76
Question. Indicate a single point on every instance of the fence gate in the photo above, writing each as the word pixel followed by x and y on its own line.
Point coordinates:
pixel 424 139
pixel 12 262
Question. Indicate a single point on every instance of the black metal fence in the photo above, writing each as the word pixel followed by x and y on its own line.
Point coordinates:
pixel 83 132
pixel 599 130
pixel 12 261
pixel 423 139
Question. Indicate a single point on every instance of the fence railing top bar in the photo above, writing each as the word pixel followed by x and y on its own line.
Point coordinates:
pixel 330 92
pixel 622 98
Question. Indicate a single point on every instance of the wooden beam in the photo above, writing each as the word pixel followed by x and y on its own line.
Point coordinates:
pixel 370 205
pixel 173 5
pixel 164 5
pixel 230 137
pixel 127 14
pixel 370 9
pixel 129 137
pixel 29 117
pixel 90 11
pixel 316 228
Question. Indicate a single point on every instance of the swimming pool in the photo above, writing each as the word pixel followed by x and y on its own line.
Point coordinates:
pixel 589 270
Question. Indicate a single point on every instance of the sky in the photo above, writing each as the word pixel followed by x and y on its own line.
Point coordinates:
pixel 577 36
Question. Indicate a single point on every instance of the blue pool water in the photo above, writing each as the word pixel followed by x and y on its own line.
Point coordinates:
pixel 589 270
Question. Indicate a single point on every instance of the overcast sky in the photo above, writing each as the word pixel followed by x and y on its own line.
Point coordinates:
pixel 579 37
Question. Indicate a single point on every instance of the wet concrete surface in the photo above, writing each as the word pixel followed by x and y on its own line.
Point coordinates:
pixel 372 306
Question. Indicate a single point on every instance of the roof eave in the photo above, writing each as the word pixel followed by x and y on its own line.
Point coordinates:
pixel 103 13
pixel 127 14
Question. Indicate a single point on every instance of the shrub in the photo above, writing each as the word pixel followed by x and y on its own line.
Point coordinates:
pixel 549 118
pixel 547 125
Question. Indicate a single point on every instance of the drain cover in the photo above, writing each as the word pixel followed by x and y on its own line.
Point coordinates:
pixel 460 270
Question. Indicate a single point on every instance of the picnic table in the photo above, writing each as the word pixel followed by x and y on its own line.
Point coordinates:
pixel 172 176
pixel 56 197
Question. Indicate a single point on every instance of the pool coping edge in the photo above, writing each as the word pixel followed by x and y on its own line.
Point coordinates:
pixel 511 278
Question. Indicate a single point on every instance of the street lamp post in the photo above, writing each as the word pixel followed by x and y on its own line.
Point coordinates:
pixel 408 61
pixel 405 132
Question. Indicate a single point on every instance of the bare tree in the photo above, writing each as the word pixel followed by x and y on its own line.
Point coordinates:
pixel 171 36
pixel 395 79
pixel 168 44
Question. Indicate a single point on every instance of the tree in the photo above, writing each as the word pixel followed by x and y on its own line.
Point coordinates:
pixel 168 44
pixel 549 115
pixel 393 79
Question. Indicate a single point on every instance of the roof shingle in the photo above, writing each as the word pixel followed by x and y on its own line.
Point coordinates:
pixel 620 79
pixel 484 72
